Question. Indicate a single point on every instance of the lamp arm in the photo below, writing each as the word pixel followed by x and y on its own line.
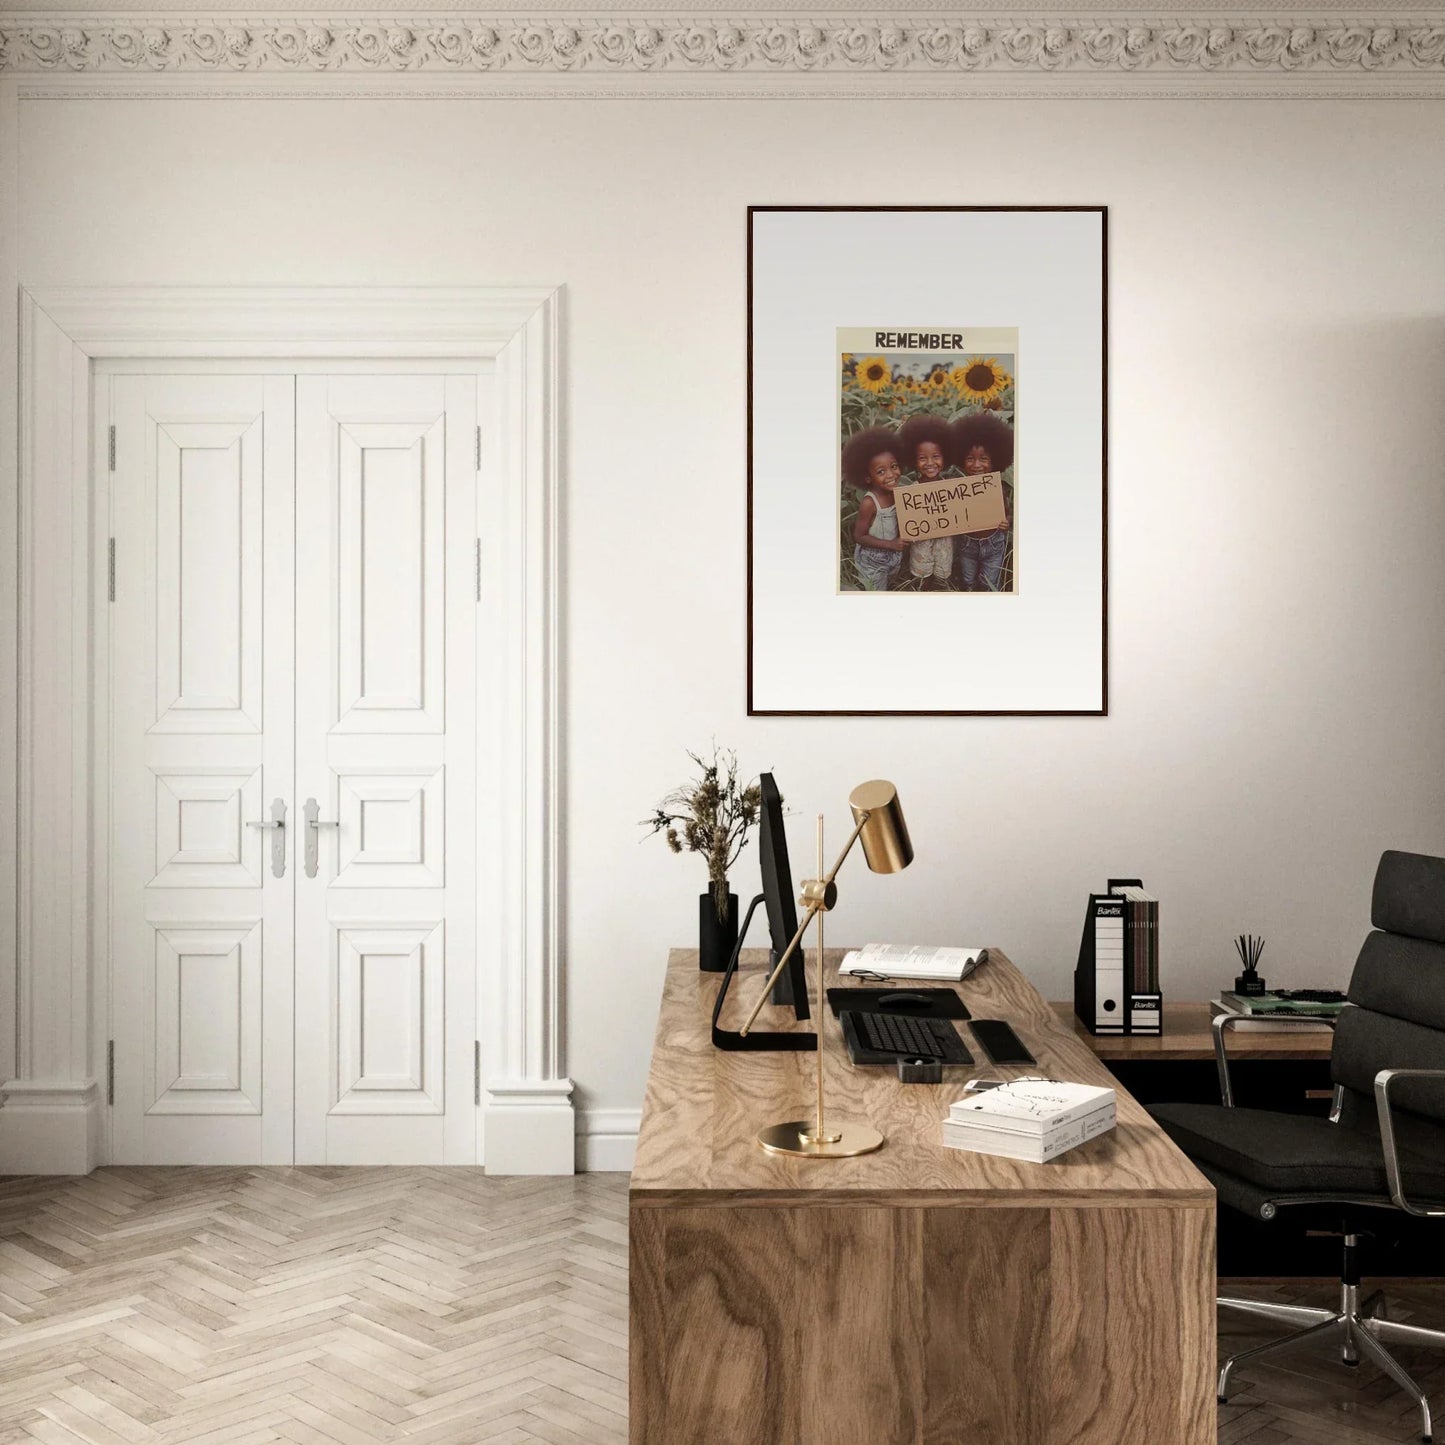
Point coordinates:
pixel 815 907
pixel 847 848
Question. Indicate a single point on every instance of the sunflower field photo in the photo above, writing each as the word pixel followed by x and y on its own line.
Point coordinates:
pixel 942 412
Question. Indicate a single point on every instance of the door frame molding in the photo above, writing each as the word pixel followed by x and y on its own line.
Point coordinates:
pixel 51 1120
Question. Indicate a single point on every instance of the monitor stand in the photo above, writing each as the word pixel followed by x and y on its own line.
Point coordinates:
pixel 755 1040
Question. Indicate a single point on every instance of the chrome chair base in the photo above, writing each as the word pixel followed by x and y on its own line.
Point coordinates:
pixel 1360 1329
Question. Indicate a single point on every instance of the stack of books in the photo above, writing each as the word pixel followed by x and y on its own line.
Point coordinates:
pixel 1141 937
pixel 1261 1011
pixel 1031 1119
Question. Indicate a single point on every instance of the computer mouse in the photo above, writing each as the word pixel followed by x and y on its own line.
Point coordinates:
pixel 902 1000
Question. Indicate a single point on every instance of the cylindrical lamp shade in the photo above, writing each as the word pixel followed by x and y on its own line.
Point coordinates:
pixel 885 840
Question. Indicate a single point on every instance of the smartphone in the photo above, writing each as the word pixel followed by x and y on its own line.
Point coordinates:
pixel 1000 1042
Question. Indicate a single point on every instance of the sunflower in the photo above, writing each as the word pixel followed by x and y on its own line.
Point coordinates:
pixel 874 373
pixel 980 381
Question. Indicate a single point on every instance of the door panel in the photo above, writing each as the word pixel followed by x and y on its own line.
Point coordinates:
pixel 205 1053
pixel 390 997
pixel 391 518
pixel 208 577
pixel 392 827
pixel 385 734
pixel 201 742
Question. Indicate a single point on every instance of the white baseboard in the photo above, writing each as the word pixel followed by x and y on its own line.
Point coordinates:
pixel 530 1128
pixel 48 1128
pixel 607 1139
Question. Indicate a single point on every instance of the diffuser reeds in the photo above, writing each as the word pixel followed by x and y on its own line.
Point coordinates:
pixel 1249 948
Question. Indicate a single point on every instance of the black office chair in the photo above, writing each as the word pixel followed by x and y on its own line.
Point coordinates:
pixel 1381 1151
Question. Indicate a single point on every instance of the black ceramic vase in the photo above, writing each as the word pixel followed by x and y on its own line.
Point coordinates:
pixel 716 939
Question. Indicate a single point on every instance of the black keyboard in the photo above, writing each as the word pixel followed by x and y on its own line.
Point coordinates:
pixel 898 1036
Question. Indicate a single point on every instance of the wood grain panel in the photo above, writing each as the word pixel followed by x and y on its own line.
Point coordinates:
pixel 1131 1327
pixel 647 1325
pixel 987 1302
pixel 859 1306
pixel 735 1320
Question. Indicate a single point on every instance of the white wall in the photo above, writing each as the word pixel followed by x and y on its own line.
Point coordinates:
pixel 1277 579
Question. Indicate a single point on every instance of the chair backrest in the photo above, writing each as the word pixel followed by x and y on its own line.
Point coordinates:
pixel 1398 993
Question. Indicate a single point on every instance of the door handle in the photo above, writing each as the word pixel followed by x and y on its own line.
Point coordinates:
pixel 276 822
pixel 314 824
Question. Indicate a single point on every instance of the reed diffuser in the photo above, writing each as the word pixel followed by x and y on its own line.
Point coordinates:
pixel 1249 948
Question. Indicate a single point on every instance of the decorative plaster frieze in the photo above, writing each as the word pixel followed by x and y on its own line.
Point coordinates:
pixel 987 45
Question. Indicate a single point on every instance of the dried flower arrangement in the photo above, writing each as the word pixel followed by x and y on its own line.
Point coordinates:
pixel 711 815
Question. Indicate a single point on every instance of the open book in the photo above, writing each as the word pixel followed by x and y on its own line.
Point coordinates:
pixel 901 960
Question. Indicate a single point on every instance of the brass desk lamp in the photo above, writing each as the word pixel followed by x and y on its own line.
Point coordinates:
pixel 878 824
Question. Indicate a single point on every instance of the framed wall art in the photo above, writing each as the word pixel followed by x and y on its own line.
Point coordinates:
pixel 927 460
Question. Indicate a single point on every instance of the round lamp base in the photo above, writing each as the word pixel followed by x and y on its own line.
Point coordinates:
pixel 794 1137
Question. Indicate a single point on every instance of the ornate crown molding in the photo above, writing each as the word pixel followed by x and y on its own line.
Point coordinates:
pixel 596 48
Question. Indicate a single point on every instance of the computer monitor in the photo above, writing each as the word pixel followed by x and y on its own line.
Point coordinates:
pixel 791 987
pixel 777 898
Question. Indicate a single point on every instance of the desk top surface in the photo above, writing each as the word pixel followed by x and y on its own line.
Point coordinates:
pixel 704 1107
pixel 1188 1036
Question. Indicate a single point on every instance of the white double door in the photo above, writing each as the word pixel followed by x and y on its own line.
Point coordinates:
pixel 292 765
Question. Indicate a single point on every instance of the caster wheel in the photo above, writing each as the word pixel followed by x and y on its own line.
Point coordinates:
pixel 1353 1364
pixel 1221 1399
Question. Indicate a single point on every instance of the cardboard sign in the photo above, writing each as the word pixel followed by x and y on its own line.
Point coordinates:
pixel 950 506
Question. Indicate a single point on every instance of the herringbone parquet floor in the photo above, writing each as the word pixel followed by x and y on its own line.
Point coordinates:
pixel 355 1306
pixel 321 1306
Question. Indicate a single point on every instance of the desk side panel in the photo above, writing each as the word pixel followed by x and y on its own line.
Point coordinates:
pixel 986 1303
pixel 811 1325
pixel 646 1326
pixel 763 1324
pixel 1132 1354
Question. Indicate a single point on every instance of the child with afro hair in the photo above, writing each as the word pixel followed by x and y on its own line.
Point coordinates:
pixel 984 442
pixel 870 467
pixel 927 442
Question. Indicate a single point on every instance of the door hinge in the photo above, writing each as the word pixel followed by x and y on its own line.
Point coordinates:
pixel 110 569
pixel 479 448
pixel 479 569
pixel 477 1071
pixel 110 1072
pixel 112 448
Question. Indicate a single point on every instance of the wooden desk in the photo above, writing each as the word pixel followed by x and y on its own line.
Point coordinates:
pixel 919 1294
pixel 1187 1037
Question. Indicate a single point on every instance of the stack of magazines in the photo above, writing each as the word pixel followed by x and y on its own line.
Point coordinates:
pixel 1032 1119
pixel 1263 1011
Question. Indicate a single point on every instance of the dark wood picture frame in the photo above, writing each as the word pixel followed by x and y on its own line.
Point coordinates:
pixel 1102 710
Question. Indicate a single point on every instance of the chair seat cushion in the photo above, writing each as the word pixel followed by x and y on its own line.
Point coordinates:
pixel 1294 1153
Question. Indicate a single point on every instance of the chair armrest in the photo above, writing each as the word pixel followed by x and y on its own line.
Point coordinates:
pixel 1383 1080
pixel 1222 1023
